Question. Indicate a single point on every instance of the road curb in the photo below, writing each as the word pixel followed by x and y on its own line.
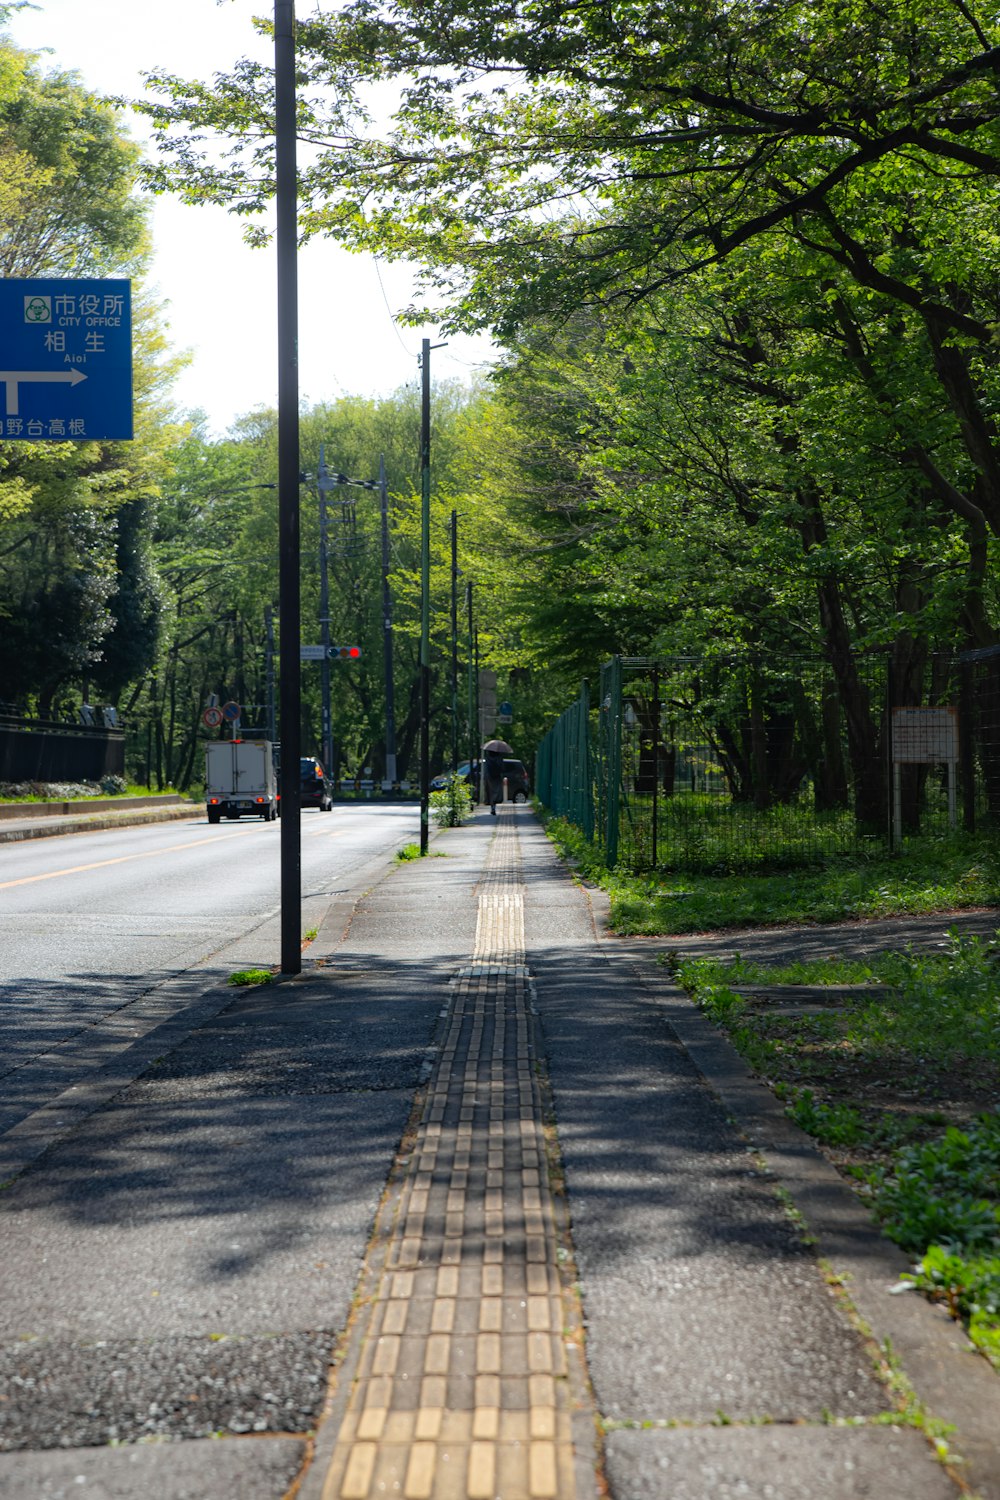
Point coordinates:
pixel 54 826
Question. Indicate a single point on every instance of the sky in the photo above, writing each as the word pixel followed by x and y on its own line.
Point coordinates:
pixel 220 294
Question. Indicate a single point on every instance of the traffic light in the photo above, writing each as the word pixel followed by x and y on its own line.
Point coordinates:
pixel 344 653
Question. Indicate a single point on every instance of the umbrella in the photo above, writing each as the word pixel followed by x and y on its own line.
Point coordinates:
pixel 500 746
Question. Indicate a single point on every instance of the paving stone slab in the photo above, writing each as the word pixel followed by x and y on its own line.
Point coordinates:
pixel 776 1463
pixel 699 1295
pixel 250 1469
pixel 199 1217
pixel 61 1394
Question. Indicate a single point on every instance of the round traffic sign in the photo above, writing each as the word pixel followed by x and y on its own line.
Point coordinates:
pixel 212 718
pixel 231 711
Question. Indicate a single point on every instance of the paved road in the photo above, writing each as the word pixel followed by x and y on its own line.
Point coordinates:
pixel 108 934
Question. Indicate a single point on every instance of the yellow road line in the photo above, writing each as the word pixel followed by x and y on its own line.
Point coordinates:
pixel 122 859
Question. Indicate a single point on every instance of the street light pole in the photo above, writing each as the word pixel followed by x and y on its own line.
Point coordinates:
pixel 286 228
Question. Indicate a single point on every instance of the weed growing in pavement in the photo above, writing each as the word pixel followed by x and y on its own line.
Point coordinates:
pixel 970 1285
pixel 452 806
pixel 251 976
pixel 412 851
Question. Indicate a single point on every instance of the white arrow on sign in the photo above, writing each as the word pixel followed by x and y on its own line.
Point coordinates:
pixel 13 378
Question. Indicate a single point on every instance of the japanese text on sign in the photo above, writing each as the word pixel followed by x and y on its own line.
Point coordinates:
pixel 65 359
pixel 924 736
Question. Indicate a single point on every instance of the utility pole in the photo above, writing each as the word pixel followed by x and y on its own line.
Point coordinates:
pixel 390 699
pixel 323 484
pixel 425 589
pixel 286 210
pixel 454 641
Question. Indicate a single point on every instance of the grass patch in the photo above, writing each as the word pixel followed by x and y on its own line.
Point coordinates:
pixel 245 977
pixel 940 1012
pixel 931 875
pixel 77 791
pixel 899 1087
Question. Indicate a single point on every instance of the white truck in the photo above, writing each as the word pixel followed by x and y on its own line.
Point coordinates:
pixel 240 780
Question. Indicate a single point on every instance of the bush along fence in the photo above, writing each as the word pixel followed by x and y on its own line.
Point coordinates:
pixel 730 764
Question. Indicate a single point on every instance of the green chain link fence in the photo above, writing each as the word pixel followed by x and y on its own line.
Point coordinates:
pixel 734 764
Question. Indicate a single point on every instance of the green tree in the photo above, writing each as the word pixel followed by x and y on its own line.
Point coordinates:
pixel 67 171
pixel 864 135
pixel 79 602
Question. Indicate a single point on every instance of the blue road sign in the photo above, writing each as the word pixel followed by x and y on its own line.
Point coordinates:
pixel 65 360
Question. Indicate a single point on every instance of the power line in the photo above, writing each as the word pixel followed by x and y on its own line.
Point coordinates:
pixel 411 354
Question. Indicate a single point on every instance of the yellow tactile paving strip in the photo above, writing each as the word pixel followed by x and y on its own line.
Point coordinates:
pixel 461 1390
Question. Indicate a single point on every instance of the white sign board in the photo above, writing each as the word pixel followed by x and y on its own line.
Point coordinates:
pixel 924 736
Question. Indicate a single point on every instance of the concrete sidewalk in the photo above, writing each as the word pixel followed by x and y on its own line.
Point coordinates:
pixel 475 1206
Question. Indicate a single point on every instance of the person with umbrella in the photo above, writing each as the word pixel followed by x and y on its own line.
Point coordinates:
pixel 493 754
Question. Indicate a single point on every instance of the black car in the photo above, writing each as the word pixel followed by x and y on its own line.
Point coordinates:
pixel 315 788
pixel 515 773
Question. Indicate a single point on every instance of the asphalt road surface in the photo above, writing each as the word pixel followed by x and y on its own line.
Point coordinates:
pixel 104 936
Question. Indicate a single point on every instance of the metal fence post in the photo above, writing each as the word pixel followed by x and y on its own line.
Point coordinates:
pixel 966 747
pixel 585 774
pixel 656 759
pixel 614 760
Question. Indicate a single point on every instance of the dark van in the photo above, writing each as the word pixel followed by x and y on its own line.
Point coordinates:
pixel 515 773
